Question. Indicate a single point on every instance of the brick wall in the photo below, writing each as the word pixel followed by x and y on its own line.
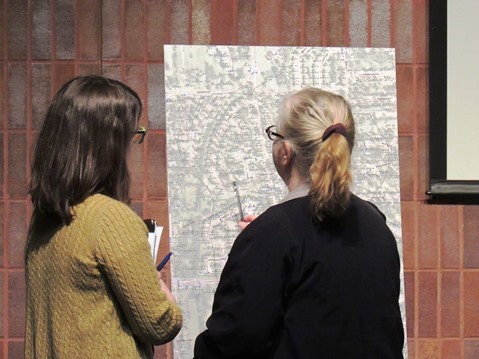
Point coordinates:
pixel 45 42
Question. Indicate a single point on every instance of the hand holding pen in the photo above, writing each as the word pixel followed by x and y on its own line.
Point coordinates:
pixel 246 220
pixel 164 287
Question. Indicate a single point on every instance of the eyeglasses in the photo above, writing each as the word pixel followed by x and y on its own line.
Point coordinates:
pixel 273 135
pixel 139 135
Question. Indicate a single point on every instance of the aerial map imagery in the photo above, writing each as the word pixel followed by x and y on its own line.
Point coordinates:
pixel 218 102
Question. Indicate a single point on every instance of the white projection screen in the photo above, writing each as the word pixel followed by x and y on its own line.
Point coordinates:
pixel 454 114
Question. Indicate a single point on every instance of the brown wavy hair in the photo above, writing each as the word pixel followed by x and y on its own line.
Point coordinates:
pixel 82 146
pixel 304 117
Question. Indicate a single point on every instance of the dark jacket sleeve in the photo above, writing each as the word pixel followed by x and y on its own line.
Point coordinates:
pixel 248 305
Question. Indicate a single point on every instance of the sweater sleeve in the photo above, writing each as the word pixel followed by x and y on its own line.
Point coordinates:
pixel 124 256
pixel 248 305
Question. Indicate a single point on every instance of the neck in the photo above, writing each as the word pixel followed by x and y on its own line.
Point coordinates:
pixel 297 187
pixel 295 180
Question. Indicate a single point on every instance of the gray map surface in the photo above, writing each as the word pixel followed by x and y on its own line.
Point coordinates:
pixel 219 100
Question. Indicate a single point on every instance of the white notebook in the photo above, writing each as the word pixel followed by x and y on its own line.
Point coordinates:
pixel 154 237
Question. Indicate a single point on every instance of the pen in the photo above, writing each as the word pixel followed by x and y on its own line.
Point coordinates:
pixel 164 261
pixel 238 200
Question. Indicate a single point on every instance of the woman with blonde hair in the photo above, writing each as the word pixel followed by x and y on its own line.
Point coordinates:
pixel 316 276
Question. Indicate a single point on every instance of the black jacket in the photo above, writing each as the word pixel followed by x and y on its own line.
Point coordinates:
pixel 293 288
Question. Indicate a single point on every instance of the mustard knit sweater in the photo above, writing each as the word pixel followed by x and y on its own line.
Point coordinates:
pixel 92 287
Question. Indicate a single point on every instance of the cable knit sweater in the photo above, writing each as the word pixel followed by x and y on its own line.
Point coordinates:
pixel 92 287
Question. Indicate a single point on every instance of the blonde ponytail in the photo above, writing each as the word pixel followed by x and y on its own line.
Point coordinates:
pixel 320 128
pixel 331 178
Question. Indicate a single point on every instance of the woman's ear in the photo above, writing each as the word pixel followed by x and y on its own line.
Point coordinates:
pixel 283 159
pixel 286 153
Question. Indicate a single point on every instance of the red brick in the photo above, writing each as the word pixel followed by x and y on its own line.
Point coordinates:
pixel 2 304
pixel 427 236
pixel 408 219
pixel 410 348
pixel 17 233
pixel 137 207
pixel 134 32
pixel 291 23
pixel 112 71
pixel 336 23
pixel 409 285
pixel 2 236
pixel 406 167
pixel 423 165
pixel 17 29
pixel 269 22
pixel 380 23
pixel 17 95
pixel 16 348
pixel 405 99
pixel 164 351
pixel 135 166
pixel 61 74
pixel 2 37
pixel 111 32
pixel 16 304
pixel 88 29
pixel 449 236
pixel 450 304
pixel 41 92
pixel 89 69
pixel 428 349
pixel 313 23
pixel 41 30
pixel 471 304
pixel 2 175
pixel 157 179
pixel 156 97
pixel 179 22
pixel 427 305
pixel 403 30
pixel 211 22
pixel 65 29
pixel 450 349
pixel 358 23
pixel 2 89
pixel 471 349
pixel 135 77
pixel 422 99
pixel 17 165
pixel 421 30
pixel 246 22
pixel 157 19
pixel 471 235
pixel 222 21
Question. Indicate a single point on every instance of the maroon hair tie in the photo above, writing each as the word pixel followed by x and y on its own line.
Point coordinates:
pixel 336 128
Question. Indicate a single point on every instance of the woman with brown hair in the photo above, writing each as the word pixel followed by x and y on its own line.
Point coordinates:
pixel 92 287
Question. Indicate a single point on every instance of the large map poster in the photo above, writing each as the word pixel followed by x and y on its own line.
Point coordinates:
pixel 219 100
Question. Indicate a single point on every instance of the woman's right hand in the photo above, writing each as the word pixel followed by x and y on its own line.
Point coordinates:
pixel 247 220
